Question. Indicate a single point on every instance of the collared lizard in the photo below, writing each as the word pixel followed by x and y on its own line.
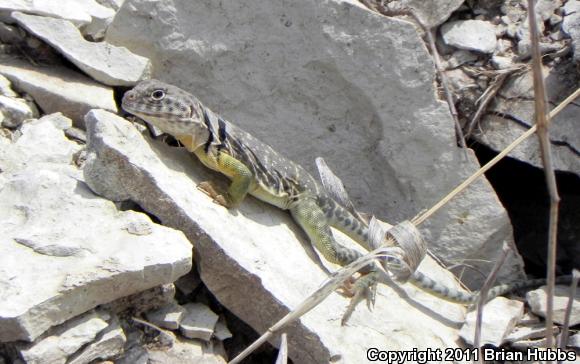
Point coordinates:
pixel 255 168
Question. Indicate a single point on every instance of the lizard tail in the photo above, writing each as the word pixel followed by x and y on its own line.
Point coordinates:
pixel 343 220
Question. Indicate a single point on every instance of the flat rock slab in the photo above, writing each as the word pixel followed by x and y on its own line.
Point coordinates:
pixel 70 10
pixel 109 344
pixel 537 301
pixel 500 316
pixel 254 259
pixel 433 12
pixel 185 351
pixel 168 316
pixel 52 222
pixel 66 339
pixel 113 66
pixel 59 89
pixel 292 77
pixel 472 35
pixel 198 322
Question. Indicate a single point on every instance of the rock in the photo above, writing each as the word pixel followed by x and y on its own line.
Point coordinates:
pixel 473 35
pixel 536 331
pixel 135 355
pixel 517 106
pixel 537 301
pixel 433 12
pixel 41 141
pixel 546 8
pixel 144 301
pixel 199 322
pixel 412 139
pixel 501 63
pixel 15 111
pixel 113 66
pixel 188 283
pixel 64 340
pixel 58 89
pixel 168 316
pixel 571 25
pixel 113 4
pixel 6 87
pixel 53 222
pixel 10 34
pixel 460 57
pixel 186 351
pixel 101 17
pixel 221 330
pixel 70 10
pixel 574 341
pixel 108 344
pixel 238 263
pixel 500 316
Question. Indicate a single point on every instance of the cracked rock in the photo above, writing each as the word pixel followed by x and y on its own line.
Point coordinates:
pixel 58 89
pixel 108 344
pixel 70 10
pixel 113 66
pixel 198 322
pixel 537 301
pixel 169 316
pixel 53 222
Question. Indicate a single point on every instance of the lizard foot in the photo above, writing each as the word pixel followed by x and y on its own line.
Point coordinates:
pixel 365 288
pixel 347 289
pixel 209 189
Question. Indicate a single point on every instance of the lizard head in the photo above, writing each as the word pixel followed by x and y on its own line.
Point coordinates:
pixel 169 108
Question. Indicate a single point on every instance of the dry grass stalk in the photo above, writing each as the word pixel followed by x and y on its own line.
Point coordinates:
pixel 483 296
pixel 283 351
pixel 543 123
pixel 571 296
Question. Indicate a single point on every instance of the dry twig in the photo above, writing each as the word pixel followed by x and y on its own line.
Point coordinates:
pixel 543 122
pixel 571 296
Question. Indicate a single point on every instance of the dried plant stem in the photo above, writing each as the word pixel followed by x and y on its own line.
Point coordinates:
pixel 425 215
pixel 571 296
pixel 543 123
pixel 483 296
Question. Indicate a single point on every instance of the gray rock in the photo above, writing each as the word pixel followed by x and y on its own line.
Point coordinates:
pixel 53 222
pixel 221 330
pixel 58 89
pixel 537 301
pixel 135 355
pixel 241 259
pixel 56 347
pixel 41 141
pixel 517 104
pixel 536 331
pixel 10 34
pixel 571 25
pixel 101 17
pixel 168 316
pixel 70 10
pixel 574 341
pixel 545 8
pixel 16 110
pixel 198 322
pixel 473 35
pixel 109 344
pixel 500 316
pixel 186 351
pixel 286 95
pixel 188 283
pixel 433 12
pixel 501 63
pixel 113 66
pixel 461 57
pixel 113 4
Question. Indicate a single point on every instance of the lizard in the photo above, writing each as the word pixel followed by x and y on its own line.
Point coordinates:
pixel 254 168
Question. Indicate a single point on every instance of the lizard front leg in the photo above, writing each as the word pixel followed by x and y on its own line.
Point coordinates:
pixel 240 175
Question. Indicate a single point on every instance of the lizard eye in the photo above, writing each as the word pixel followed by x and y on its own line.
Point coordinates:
pixel 158 95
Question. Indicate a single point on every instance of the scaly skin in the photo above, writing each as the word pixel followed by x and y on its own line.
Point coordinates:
pixel 255 168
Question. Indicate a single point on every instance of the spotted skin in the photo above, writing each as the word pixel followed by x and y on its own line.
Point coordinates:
pixel 255 168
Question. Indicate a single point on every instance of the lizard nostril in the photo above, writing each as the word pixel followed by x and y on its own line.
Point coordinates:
pixel 130 95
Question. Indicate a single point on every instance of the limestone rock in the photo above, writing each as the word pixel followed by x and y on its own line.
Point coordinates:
pixel 388 138
pixel 58 89
pixel 101 17
pixel 185 351
pixel 16 110
pixel 537 301
pixel 221 330
pixel 198 322
pixel 64 340
pixel 433 12
pixel 500 316
pixel 168 316
pixel 113 66
pixel 473 35
pixel 536 331
pixel 53 222
pixel 571 25
pixel 253 259
pixel 517 103
pixel 64 9
pixel 134 355
pixel 108 344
